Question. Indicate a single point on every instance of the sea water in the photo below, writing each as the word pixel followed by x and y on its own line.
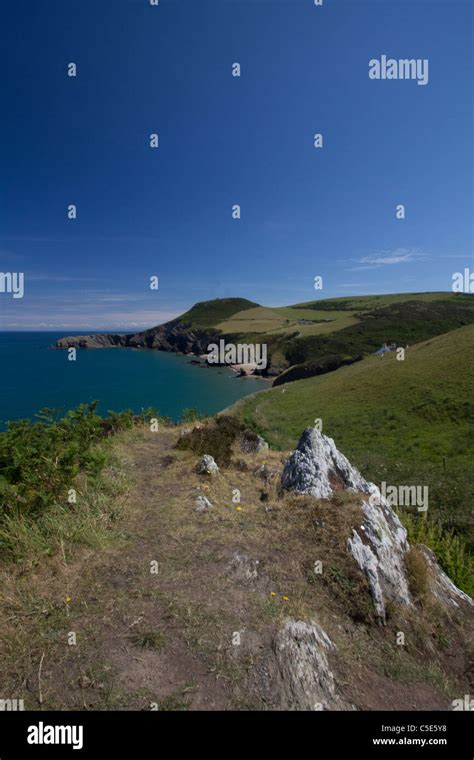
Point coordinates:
pixel 33 376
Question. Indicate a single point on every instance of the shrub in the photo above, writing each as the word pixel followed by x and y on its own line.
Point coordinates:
pixel 40 459
pixel 216 439
pixel 191 415
pixel 450 549
pixel 418 574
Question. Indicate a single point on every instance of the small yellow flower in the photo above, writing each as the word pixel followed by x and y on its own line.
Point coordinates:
pixel 285 598
pixel 68 599
pixel 239 509
pixel 272 593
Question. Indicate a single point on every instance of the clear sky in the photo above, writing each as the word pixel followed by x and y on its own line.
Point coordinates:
pixel 227 140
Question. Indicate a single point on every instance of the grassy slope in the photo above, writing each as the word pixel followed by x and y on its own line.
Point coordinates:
pixel 210 313
pixel 359 303
pixel 395 420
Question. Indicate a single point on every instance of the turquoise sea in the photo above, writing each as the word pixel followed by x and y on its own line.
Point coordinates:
pixel 34 376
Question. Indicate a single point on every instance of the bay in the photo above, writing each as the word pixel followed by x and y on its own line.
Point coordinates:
pixel 34 375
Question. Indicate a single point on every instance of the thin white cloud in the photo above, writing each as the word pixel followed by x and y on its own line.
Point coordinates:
pixel 354 285
pixel 388 258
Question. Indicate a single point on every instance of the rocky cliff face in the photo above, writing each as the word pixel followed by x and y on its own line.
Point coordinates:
pixel 102 340
pixel 174 336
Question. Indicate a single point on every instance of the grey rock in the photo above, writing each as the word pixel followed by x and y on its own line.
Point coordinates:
pixel 307 681
pixel 367 561
pixel 243 568
pixel 201 503
pixel 379 545
pixel 207 466
pixel 317 468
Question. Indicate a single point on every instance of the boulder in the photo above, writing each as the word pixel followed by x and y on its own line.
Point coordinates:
pixel 201 503
pixel 207 466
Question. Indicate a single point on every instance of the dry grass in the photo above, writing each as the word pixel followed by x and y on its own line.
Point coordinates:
pixel 145 638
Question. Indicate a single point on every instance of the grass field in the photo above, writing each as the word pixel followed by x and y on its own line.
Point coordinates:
pixel 283 320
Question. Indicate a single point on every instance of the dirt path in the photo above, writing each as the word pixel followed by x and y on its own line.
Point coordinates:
pixel 132 650
pixel 167 617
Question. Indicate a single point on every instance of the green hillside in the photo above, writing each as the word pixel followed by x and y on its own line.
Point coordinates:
pixel 404 422
pixel 359 303
pixel 293 339
pixel 210 313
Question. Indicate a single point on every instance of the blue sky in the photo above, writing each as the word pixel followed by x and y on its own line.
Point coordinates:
pixel 224 141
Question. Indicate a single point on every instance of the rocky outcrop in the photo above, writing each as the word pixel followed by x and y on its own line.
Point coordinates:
pixel 317 468
pixel 379 544
pixel 307 681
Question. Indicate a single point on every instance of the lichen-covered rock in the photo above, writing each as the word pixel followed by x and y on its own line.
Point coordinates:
pixel 383 532
pixel 243 568
pixel 201 503
pixel 367 561
pixel 317 468
pixel 307 682
pixel 207 466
